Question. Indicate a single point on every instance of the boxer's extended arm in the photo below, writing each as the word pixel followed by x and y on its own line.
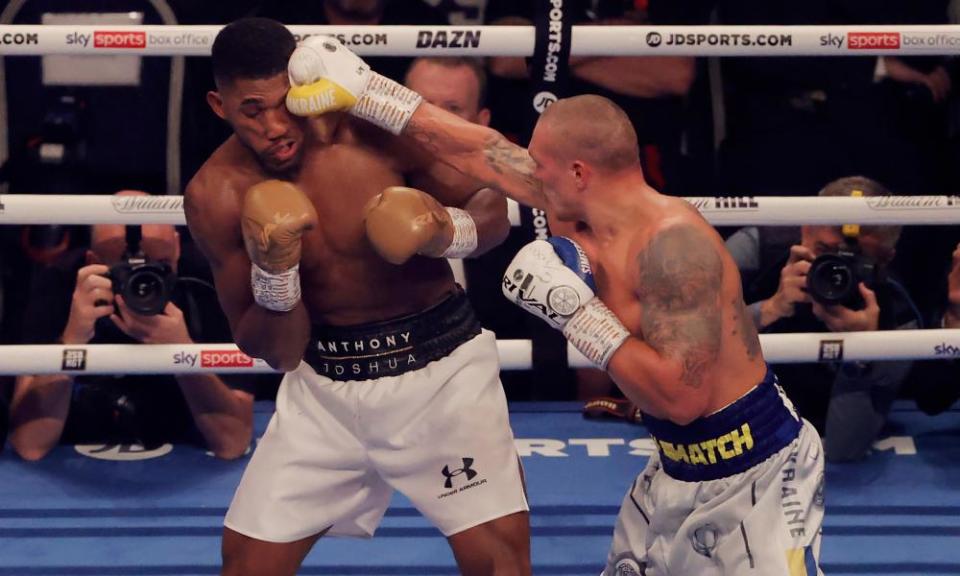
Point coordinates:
pixel 325 76
pixel 279 338
pixel 678 283
pixel 477 151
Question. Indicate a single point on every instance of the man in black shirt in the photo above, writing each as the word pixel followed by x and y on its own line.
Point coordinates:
pixel 73 303
pixel 650 89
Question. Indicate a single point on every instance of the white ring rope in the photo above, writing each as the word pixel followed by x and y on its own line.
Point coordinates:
pixel 726 211
pixel 37 40
pixel 514 354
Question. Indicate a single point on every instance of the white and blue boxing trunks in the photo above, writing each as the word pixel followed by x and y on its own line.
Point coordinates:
pixel 413 404
pixel 736 493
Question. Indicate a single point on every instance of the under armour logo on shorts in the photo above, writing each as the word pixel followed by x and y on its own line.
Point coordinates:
pixel 467 463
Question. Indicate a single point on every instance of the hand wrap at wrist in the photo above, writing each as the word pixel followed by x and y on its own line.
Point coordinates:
pixel 277 292
pixel 386 104
pixel 464 234
pixel 596 332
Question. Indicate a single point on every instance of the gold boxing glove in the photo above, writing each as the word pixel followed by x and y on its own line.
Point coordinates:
pixel 402 222
pixel 274 216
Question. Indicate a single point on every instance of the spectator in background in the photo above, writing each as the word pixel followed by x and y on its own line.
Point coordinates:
pixel 791 123
pixel 847 401
pixel 650 89
pixel 74 304
pixel 456 84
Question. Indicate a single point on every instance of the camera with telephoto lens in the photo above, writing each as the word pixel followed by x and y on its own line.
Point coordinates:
pixel 834 279
pixel 146 286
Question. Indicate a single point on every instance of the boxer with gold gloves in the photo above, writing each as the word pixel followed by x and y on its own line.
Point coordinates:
pixel 330 268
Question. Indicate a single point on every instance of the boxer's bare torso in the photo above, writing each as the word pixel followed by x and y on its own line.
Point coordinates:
pixel 674 285
pixel 344 282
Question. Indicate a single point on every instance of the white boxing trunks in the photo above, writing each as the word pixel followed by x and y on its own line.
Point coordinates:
pixel 735 493
pixel 413 404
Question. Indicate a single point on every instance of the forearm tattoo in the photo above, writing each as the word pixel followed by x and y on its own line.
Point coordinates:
pixel 423 136
pixel 512 161
pixel 679 287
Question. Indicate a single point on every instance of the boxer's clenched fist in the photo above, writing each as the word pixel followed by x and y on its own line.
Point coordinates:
pixel 274 217
pixel 325 77
pixel 402 222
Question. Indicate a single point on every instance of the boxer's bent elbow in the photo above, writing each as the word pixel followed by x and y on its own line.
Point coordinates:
pixel 683 412
pixel 30 452
pixel 279 339
pixel 681 407
pixel 501 228
pixel 287 363
pixel 682 403
pixel 235 448
pixel 278 355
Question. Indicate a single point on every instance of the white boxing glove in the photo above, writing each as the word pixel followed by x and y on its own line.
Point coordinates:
pixel 552 279
pixel 325 76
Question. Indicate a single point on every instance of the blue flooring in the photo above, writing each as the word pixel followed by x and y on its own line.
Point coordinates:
pixel 69 515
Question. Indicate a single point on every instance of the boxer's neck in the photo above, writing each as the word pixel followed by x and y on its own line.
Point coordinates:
pixel 616 205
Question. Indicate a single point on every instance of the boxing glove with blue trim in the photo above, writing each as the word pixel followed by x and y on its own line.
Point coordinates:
pixel 552 279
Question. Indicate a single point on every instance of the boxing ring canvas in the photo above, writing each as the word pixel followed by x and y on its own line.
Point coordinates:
pixel 898 512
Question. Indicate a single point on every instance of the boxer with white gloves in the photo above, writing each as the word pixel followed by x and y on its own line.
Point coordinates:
pixel 552 279
pixel 333 269
pixel 736 485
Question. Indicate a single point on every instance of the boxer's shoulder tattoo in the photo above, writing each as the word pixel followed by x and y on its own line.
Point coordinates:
pixel 680 277
pixel 508 159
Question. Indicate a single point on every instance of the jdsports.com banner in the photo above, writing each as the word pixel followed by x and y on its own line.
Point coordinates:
pixel 35 40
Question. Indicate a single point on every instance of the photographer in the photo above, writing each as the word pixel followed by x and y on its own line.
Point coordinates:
pixel 837 279
pixel 144 409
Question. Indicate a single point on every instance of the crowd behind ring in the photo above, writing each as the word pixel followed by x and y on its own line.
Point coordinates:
pixel 744 127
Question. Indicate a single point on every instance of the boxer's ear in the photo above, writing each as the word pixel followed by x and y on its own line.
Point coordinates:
pixel 483 117
pixel 216 104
